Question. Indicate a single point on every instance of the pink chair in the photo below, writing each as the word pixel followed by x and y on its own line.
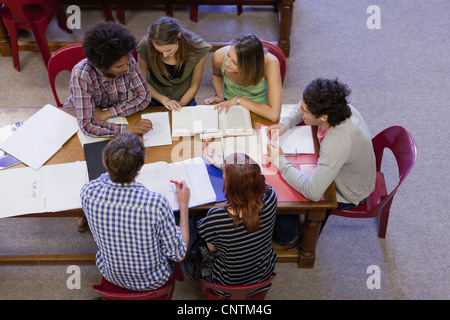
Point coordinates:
pixel 29 14
pixel 277 52
pixel 63 59
pixel 109 291
pixel 236 292
pixel 378 204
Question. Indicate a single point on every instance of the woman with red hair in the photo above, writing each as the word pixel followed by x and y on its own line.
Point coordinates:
pixel 241 231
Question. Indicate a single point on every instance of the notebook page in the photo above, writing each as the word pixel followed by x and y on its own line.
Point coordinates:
pixel 160 134
pixel 155 177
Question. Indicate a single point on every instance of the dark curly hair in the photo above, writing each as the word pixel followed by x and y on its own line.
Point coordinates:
pixel 106 43
pixel 328 97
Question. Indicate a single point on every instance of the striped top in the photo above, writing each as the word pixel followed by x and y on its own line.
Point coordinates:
pixel 242 257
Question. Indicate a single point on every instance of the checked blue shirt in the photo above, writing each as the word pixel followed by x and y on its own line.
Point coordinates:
pixel 135 232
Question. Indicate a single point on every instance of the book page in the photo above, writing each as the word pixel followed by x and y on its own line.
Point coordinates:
pixel 242 144
pixel 160 134
pixel 206 119
pixel 199 181
pixel 21 192
pixel 236 121
pixel 183 122
pixel 62 185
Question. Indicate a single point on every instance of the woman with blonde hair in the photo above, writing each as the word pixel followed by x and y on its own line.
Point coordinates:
pixel 245 74
pixel 241 232
pixel 172 59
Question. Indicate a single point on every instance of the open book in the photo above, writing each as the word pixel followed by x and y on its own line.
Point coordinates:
pixel 206 121
pixel 41 136
pixel 156 177
pixel 52 188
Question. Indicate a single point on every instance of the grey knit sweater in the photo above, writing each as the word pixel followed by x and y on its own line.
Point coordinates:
pixel 346 157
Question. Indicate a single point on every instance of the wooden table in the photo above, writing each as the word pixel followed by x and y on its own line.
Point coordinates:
pixel 284 8
pixel 72 150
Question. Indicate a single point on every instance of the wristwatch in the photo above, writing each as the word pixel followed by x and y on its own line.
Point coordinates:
pixel 238 100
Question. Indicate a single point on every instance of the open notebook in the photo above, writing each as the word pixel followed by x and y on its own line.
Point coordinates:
pixel 41 136
pixel 156 177
pixel 206 121
pixel 51 188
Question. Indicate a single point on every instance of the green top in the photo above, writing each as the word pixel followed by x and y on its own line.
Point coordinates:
pixel 172 88
pixel 258 93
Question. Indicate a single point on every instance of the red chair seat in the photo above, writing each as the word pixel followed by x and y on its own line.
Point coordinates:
pixel 243 292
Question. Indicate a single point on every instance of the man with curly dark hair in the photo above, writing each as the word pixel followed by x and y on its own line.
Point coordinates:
pixel 108 83
pixel 346 153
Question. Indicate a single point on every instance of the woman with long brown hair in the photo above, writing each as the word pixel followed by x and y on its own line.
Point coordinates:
pixel 241 232
pixel 172 60
pixel 245 74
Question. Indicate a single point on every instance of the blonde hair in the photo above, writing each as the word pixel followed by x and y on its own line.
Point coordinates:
pixel 164 31
pixel 250 59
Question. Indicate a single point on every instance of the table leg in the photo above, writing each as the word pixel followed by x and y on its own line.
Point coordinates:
pixel 311 231
pixel 5 47
pixel 286 9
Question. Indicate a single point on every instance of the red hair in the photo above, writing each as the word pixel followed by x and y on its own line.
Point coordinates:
pixel 244 187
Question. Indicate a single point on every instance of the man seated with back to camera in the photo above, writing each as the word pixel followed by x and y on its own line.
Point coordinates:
pixel 134 228
pixel 346 154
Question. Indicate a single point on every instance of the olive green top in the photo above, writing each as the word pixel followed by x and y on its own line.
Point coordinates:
pixel 173 88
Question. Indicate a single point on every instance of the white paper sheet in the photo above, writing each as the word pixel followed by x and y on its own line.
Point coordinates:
pixel 160 134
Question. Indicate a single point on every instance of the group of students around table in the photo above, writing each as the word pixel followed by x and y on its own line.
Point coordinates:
pixel 135 229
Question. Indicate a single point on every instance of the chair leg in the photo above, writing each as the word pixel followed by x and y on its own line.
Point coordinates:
pixel 384 218
pixel 239 7
pixel 41 40
pixel 121 13
pixel 62 17
pixel 14 46
pixel 168 5
pixel 108 12
pixel 194 10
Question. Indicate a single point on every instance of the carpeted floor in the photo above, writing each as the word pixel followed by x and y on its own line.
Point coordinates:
pixel 399 75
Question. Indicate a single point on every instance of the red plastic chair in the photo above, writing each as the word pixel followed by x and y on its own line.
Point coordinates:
pixel 277 52
pixel 29 14
pixel 378 204
pixel 109 291
pixel 236 292
pixel 63 59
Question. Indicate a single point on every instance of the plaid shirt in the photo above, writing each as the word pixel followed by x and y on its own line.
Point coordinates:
pixel 90 88
pixel 135 232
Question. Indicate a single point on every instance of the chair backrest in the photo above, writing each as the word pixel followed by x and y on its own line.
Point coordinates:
pixel 277 52
pixel 63 59
pixel 25 11
pixel 403 146
pixel 236 292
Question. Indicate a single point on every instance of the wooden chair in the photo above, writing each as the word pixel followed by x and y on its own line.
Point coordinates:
pixel 378 204
pixel 243 292
pixel 63 59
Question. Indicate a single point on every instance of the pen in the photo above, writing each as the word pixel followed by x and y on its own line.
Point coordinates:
pixel 207 152
pixel 176 182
